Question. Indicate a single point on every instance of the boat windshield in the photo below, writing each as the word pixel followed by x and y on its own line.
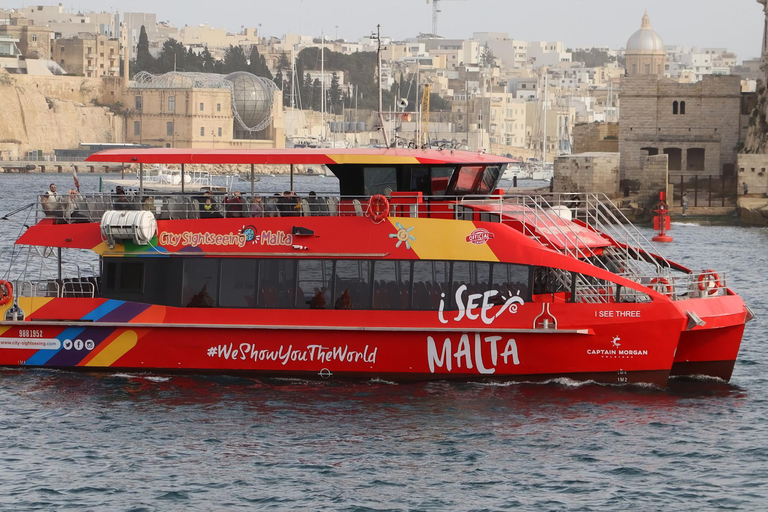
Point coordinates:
pixel 430 180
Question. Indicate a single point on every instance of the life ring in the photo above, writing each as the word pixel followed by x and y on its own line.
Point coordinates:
pixel 6 292
pixel 662 286
pixel 709 282
pixel 378 207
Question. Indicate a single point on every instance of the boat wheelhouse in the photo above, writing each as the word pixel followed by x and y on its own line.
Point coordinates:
pixel 419 269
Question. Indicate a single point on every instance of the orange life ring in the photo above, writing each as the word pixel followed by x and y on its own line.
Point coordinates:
pixel 709 281
pixel 662 286
pixel 378 207
pixel 6 292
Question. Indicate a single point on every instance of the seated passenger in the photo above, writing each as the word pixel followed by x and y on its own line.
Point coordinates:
pixel 208 210
pixel 50 201
pixel 344 302
pixel 202 299
pixel 317 302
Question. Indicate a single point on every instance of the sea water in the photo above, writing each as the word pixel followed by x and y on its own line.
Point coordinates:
pixel 157 442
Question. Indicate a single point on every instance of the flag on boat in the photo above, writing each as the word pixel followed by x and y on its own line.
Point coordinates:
pixel 74 177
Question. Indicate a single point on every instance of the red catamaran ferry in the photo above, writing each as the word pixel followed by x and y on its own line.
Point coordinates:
pixel 419 269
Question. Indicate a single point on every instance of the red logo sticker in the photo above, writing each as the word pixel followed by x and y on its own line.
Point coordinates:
pixel 479 236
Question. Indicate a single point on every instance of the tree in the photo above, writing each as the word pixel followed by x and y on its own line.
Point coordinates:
pixel 487 58
pixel 208 62
pixel 172 57
pixel 317 95
pixel 234 60
pixel 279 79
pixel 144 60
pixel 306 92
pixel 334 93
pixel 258 65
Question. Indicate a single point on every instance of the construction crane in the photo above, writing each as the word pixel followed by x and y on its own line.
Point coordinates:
pixel 435 10
pixel 425 114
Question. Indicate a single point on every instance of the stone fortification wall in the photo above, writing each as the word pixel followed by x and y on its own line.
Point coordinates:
pixel 71 88
pixel 596 138
pixel 753 170
pixel 34 118
pixel 654 179
pixel 588 172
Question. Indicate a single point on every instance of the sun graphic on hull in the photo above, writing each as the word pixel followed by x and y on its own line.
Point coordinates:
pixel 403 235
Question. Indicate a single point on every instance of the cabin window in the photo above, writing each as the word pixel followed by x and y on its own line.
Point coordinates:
pixel 390 284
pixel 200 283
pixel 489 179
pixel 314 281
pixel 440 177
pixel 379 180
pixel 351 286
pixel 430 284
pixel 124 276
pixel 238 283
pixel 320 284
pixel 551 281
pixel 277 284
pixel 467 178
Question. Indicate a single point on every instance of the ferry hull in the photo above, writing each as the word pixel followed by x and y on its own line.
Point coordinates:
pixel 710 349
pixel 346 353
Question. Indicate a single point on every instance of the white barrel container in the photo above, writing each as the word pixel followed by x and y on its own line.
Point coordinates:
pixel 137 225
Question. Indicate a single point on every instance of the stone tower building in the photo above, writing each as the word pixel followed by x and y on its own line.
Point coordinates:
pixel 696 125
pixel 645 51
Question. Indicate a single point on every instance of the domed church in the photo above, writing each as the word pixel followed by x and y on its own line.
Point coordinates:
pixel 645 51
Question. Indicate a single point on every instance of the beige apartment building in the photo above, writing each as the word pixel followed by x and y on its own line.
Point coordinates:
pixel 33 41
pixel 88 55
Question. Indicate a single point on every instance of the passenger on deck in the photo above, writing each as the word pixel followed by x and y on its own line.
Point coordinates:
pixel 120 199
pixel 50 200
pixel 271 206
pixel 317 205
pixel 287 205
pixel 208 210
pixel 234 204
pixel 255 207
pixel 148 204
pixel 71 208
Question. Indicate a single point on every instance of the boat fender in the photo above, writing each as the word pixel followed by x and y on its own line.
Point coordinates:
pixel 709 281
pixel 662 286
pixel 378 208
pixel 6 292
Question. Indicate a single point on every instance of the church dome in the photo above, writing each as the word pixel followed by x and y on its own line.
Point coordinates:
pixel 645 40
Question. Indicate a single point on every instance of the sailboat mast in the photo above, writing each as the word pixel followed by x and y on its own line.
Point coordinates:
pixel 378 70
pixel 544 152
pixel 322 86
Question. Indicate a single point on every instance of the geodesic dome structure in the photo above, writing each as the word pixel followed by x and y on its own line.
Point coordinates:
pixel 252 96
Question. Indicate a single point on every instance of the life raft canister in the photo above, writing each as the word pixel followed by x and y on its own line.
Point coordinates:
pixel 662 286
pixel 709 282
pixel 378 207
pixel 6 292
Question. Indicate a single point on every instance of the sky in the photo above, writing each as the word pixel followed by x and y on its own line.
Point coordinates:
pixel 734 24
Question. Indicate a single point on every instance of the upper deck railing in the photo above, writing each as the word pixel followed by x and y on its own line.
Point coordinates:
pixel 589 227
